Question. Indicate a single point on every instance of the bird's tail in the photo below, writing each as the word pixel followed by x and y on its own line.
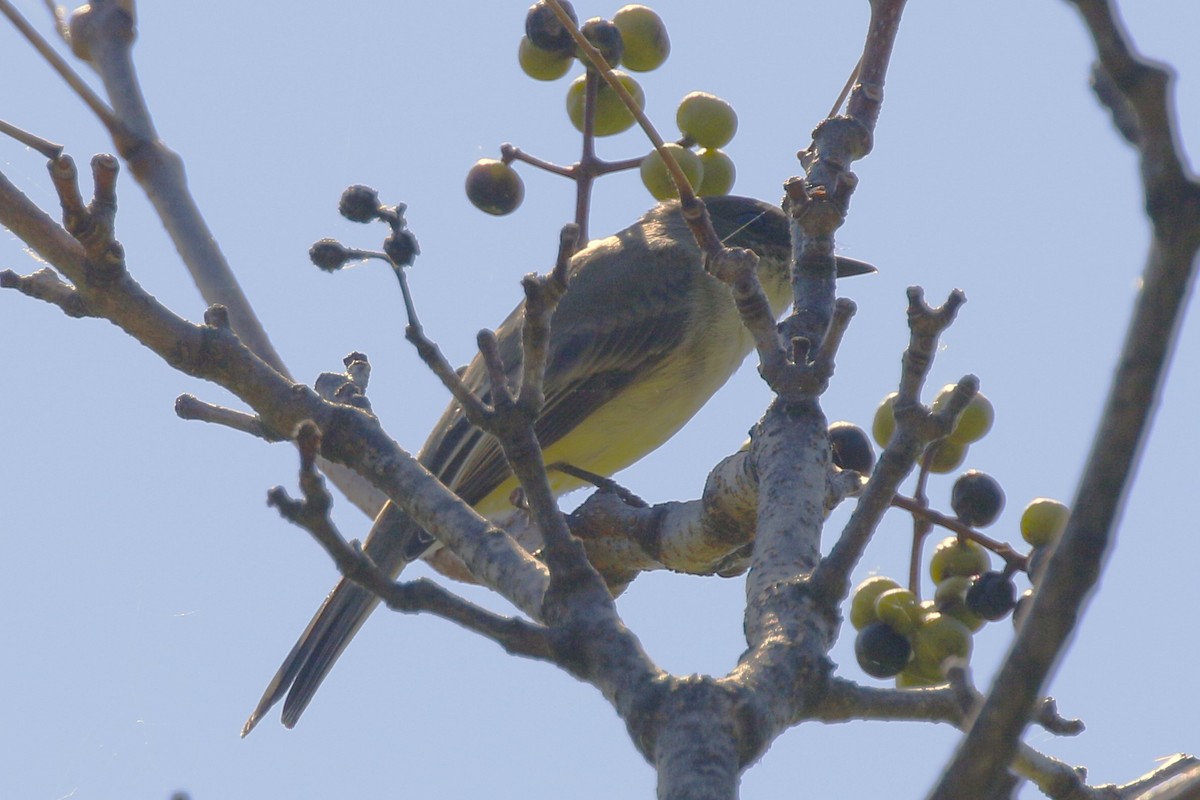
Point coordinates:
pixel 394 541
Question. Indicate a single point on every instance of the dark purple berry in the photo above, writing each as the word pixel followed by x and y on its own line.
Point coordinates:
pixel 494 187
pixel 606 38
pixel 992 595
pixel 881 652
pixel 977 498
pixel 851 447
pixel 546 32
pixel 1038 558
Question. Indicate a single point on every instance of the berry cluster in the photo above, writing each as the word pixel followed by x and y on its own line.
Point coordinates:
pixel 636 39
pixel 946 454
pixel 711 123
pixel 916 641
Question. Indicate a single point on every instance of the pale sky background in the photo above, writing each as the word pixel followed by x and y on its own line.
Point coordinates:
pixel 149 591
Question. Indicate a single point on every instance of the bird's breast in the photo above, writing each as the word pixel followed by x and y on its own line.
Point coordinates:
pixel 653 408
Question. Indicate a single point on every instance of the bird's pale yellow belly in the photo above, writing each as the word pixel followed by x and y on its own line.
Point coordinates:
pixel 646 414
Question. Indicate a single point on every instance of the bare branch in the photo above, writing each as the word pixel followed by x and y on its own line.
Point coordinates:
pixel 190 407
pixel 1177 779
pixel 738 269
pixel 846 701
pixel 105 34
pixel 1173 204
pixel 353 438
pixel 47 148
pixel 517 637
pixel 542 294
pixel 46 285
pixel 898 458
pixel 59 65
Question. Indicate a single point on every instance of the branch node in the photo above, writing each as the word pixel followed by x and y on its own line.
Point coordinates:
pixel 217 316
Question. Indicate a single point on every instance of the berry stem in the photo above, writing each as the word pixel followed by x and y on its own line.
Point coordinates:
pixel 930 517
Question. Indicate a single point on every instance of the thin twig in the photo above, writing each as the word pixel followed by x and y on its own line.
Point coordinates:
pixel 913 432
pixel 190 407
pixel 516 636
pixel 47 148
pixel 59 64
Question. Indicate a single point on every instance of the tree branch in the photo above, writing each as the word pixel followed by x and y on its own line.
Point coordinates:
pixel 516 636
pixel 103 33
pixel 1173 204
pixel 351 436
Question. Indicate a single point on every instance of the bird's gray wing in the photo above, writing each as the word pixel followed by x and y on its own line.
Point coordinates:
pixel 592 358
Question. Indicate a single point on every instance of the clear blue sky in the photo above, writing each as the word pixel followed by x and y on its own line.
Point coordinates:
pixel 150 591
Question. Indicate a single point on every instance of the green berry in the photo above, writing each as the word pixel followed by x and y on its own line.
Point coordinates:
pixel 707 119
pixel 975 420
pixel 900 609
pixel 862 606
pixel 646 42
pixel 950 597
pixel 612 116
pixel 954 557
pixel 938 639
pixel 657 179
pixel 977 498
pixel 851 447
pixel 947 456
pixel 884 424
pixel 1043 521
pixel 881 652
pixel 915 677
pixel 719 173
pixel 992 595
pixel 494 187
pixel 539 64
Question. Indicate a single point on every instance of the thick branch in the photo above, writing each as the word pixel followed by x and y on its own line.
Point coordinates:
pixel 1173 203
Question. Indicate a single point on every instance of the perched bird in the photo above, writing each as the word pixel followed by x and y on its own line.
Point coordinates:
pixel 640 341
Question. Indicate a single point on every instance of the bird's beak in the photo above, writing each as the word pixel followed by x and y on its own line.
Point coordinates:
pixel 849 267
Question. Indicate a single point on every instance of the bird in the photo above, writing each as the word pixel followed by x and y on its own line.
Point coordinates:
pixel 643 337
